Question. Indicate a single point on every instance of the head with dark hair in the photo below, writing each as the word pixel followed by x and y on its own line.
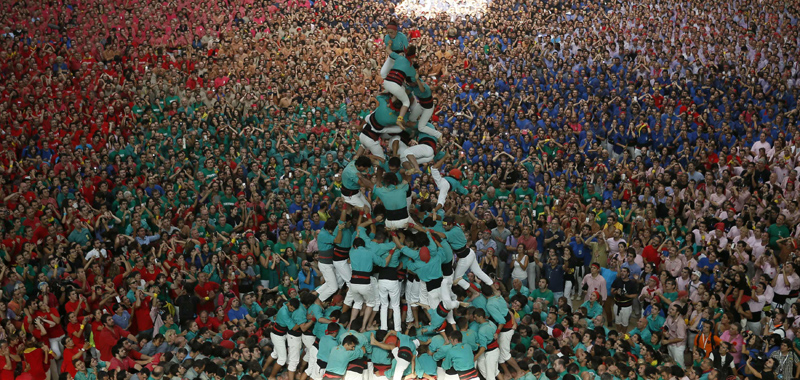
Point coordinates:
pixel 294 303
pixel 390 179
pixel 487 290
pixel 363 163
pixel 350 340
pixel 330 224
pixel 456 336
pixel 358 242
pixel 394 163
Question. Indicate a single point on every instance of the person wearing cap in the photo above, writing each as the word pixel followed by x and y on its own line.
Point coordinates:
pixel 392 194
pixel 395 41
pixel 401 73
pixel 467 259
pixel 353 179
pixel 445 184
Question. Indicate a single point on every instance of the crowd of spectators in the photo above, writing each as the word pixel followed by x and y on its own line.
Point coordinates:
pixel 167 166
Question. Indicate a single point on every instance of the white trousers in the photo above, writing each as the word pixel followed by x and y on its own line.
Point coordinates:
pixel 676 351
pixel 504 340
pixel 362 294
pixel 387 67
pixel 422 116
pixel 400 365
pixel 442 185
pixel 55 345
pixel 398 224
pixel 398 91
pixel 413 290
pixel 333 282
pixel 374 147
pixel 279 349
pixel 470 263
pixel 389 293
pixel 622 316
pixel 311 355
pixel 295 345
pixel 488 364
pixel 449 300
pixel 358 200
pixel 422 152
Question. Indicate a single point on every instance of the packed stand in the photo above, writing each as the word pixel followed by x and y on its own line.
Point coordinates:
pixel 254 190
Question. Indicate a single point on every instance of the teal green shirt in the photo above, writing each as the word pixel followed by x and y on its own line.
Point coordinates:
pixel 486 333
pixel 403 65
pixel 385 115
pixel 460 358
pixel 284 317
pixel 425 365
pixel 350 177
pixel 339 358
pixel 393 197
pixel 326 344
pixel 456 238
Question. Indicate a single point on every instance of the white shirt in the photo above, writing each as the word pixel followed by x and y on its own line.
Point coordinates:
pixel 97 254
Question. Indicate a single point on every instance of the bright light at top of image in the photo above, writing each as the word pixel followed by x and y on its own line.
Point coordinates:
pixel 452 8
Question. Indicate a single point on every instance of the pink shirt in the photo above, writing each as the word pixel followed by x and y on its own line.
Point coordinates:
pixel 780 284
pixel 595 284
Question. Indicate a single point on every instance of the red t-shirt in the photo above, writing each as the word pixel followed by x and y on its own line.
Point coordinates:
pixel 106 339
pixel 212 323
pixel 6 374
pixel 202 292
pixel 67 365
pixel 650 255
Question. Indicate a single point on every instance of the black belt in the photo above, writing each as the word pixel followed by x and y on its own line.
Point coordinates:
pixel 429 142
pixel 348 192
pixel 433 285
pixel 401 51
pixel 295 333
pixel 426 103
pixel 326 257
pixel 360 278
pixel 279 330
pixel 367 130
pixel 399 214
pixel 396 76
pixel 447 268
pixel 321 363
pixel 468 374
pixel 405 353
pixel 461 252
pixel 341 253
pixel 388 273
